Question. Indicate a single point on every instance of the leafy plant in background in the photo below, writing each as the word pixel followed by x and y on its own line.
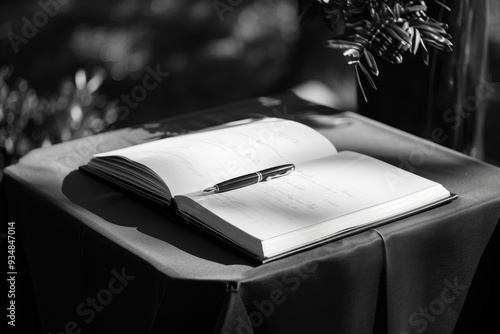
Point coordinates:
pixel 28 120
pixel 386 28
pixel 123 37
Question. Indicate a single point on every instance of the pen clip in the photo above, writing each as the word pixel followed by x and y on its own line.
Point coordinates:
pixel 279 175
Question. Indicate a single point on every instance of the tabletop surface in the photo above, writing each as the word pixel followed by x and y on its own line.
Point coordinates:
pixel 180 252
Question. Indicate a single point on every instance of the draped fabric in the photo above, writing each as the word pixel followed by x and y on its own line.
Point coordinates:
pixel 94 258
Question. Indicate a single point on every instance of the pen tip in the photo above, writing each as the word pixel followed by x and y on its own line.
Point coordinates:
pixel 211 189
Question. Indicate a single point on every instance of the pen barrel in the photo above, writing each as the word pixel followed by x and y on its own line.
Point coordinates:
pixel 240 182
pixel 253 178
pixel 274 172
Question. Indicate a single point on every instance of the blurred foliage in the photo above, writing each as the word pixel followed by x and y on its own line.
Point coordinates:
pixel 28 121
pixel 255 48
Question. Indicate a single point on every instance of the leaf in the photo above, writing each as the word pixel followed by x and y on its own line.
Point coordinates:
pixel 397 9
pixel 352 55
pixel 389 10
pixel 360 84
pixel 372 63
pixel 425 52
pixel 442 5
pixel 431 28
pixel 395 35
pixel 400 31
pixel 368 76
pixel 360 39
pixel 342 44
pixel 436 44
pixel 387 59
pixel 416 41
pixel 415 8
pixel 388 40
pixel 436 24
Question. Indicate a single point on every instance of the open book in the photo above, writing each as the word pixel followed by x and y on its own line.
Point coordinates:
pixel 328 194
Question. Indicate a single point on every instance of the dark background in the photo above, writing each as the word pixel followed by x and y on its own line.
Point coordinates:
pixel 66 79
pixel 258 48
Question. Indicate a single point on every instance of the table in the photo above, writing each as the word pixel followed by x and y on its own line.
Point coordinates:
pixel 93 259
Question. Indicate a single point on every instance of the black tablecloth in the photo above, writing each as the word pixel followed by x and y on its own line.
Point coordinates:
pixel 93 258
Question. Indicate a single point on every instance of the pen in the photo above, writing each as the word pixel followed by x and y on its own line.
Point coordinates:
pixel 252 178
